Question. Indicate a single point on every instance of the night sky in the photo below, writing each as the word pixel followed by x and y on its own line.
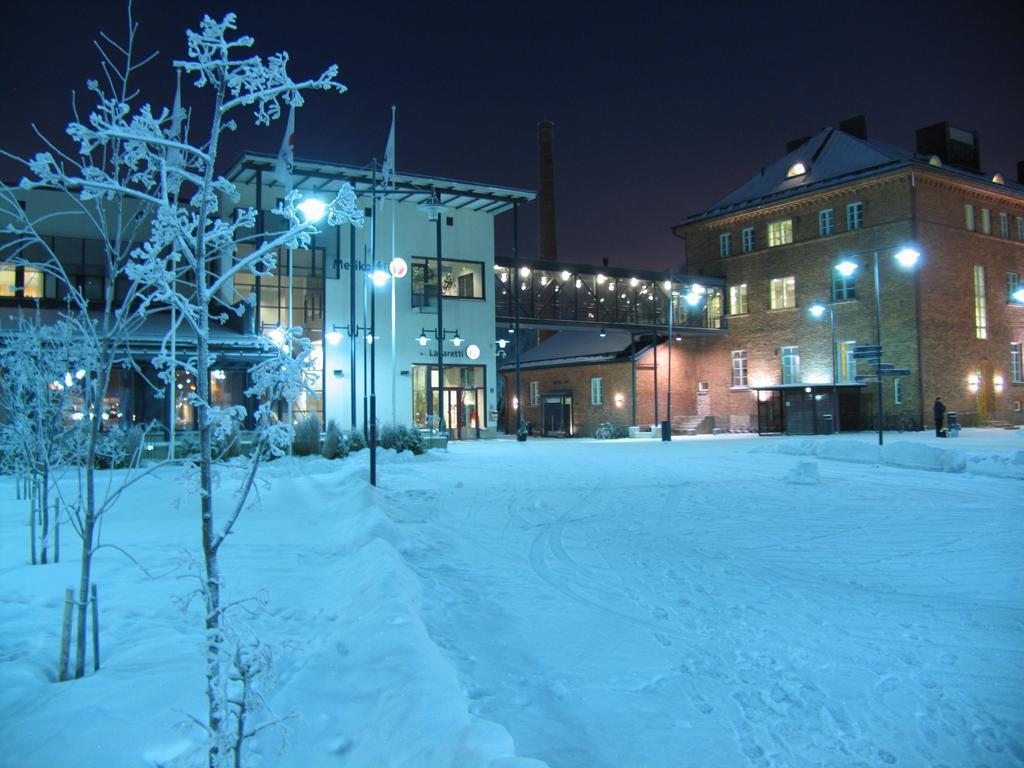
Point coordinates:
pixel 659 108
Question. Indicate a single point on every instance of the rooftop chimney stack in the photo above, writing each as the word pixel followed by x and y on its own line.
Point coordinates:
pixel 953 146
pixel 546 196
pixel 855 126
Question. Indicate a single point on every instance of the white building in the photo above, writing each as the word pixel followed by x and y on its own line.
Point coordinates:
pixel 331 295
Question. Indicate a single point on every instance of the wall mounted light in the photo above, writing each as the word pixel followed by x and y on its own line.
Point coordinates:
pixel 997 382
pixel 619 399
pixel 973 382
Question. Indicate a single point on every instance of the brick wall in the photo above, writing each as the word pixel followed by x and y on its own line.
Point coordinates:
pixel 617 380
pixel 950 349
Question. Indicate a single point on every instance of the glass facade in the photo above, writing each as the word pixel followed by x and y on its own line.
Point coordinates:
pixel 463 406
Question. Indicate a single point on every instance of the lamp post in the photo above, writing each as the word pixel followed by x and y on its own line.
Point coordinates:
pixel 440 334
pixel 666 427
pixel 434 208
pixel 379 278
pixel 906 257
pixel 817 309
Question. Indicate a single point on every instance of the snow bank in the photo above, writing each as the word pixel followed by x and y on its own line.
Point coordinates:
pixel 913 455
pixel 355 671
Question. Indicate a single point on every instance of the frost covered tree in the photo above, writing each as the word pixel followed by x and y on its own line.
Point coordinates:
pixel 43 367
pixel 154 169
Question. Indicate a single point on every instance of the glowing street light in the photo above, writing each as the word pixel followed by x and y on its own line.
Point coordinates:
pixel 313 209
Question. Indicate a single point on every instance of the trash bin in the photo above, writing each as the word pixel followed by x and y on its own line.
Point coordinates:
pixel 666 431
pixel 954 424
pixel 827 428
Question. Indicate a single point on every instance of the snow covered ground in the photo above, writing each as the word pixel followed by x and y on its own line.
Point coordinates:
pixel 716 601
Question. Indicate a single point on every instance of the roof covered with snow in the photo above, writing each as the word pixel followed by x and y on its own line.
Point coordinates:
pixel 829 158
pixel 328 177
pixel 577 348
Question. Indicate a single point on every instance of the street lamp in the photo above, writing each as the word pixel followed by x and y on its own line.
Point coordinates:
pixel 666 427
pixel 353 331
pixel 817 309
pixel 906 257
pixel 433 208
pixel 440 334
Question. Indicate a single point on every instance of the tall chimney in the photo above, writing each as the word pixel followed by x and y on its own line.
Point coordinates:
pixel 546 196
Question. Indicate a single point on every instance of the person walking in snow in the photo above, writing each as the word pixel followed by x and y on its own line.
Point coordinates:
pixel 939 409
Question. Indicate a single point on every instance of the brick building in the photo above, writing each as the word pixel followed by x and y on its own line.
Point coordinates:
pixel 574 381
pixel 951 321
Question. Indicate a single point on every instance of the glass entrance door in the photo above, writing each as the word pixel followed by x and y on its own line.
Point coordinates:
pixel 461 403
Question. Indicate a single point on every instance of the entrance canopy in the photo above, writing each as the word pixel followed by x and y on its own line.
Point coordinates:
pixel 553 294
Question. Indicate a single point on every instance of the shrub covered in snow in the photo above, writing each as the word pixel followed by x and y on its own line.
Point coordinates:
pixel 334 446
pixel 402 438
pixel 120 448
pixel 355 441
pixel 306 441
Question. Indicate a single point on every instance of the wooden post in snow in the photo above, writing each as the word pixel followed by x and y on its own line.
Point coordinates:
pixel 65 635
pixel 95 631
pixel 32 524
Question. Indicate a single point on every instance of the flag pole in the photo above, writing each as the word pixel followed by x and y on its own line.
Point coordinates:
pixel 394 203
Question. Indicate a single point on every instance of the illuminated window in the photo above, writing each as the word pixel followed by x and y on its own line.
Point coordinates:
pixel 790 357
pixel 748 239
pixel 34 283
pixel 1012 286
pixel 725 244
pixel 986 221
pixel 826 222
pixel 796 169
pixel 844 287
pixel 855 215
pixel 782 293
pixel 980 318
pixel 596 391
pixel 738 299
pixel 846 363
pixel 780 233
pixel 739 368
pixel 459 280
pixel 968 217
pixel 8 280
pixel 534 392
pixel 1004 225
pixel 1015 363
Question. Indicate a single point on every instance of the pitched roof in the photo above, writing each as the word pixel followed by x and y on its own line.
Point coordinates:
pixel 828 156
pixel 576 348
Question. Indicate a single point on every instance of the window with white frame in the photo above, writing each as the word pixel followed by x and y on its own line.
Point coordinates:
pixel 534 393
pixel 780 233
pixel 1016 371
pixel 748 239
pixel 725 244
pixel 596 391
pixel 782 292
pixel 846 363
pixel 897 390
pixel 854 215
pixel 844 287
pixel 826 222
pixel 738 299
pixel 980 315
pixel 739 368
pixel 1004 225
pixel 986 221
pixel 790 357
pixel 968 217
pixel 1012 286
